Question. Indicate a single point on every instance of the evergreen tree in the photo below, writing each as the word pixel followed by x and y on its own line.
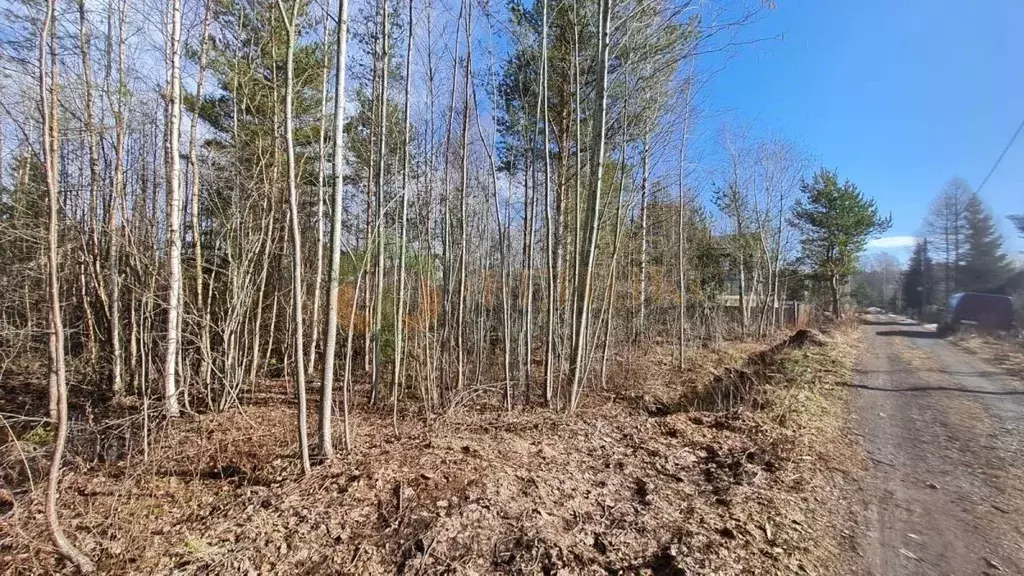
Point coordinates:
pixel 985 264
pixel 1018 222
pixel 861 294
pixel 836 221
pixel 919 279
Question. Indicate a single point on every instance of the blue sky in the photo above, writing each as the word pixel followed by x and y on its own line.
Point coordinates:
pixel 897 95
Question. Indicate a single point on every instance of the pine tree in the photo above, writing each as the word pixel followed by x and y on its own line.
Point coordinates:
pixel 861 294
pixel 984 264
pixel 836 221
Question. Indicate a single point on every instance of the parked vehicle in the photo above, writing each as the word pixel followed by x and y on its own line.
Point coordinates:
pixel 976 310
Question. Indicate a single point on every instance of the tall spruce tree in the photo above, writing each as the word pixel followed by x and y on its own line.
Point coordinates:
pixel 919 278
pixel 1018 223
pixel 985 264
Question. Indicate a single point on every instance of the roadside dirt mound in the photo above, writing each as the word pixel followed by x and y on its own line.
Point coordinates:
pixel 806 337
pixel 747 385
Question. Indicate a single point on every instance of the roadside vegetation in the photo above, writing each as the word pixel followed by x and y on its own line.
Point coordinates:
pixel 734 467
pixel 1003 351
pixel 291 286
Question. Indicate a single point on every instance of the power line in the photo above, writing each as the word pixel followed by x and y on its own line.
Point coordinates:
pixel 1005 150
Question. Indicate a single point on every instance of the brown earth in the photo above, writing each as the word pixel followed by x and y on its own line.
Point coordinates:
pixel 942 431
pixel 636 483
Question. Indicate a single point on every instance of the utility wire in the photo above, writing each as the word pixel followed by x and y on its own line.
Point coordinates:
pixel 1005 150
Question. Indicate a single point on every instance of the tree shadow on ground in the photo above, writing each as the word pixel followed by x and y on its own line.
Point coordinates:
pixel 938 389
pixel 922 334
pixel 955 373
pixel 867 322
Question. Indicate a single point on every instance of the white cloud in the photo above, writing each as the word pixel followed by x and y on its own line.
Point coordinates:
pixel 890 242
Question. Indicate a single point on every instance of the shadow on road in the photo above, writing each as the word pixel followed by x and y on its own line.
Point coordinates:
pixel 881 322
pixel 938 389
pixel 910 334
pixel 959 374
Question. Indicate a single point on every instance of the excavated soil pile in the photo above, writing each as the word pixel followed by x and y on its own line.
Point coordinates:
pixel 748 384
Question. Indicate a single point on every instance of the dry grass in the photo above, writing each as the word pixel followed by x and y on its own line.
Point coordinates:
pixel 620 488
pixel 1003 351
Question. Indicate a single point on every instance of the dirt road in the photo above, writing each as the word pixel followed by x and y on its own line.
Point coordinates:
pixel 943 433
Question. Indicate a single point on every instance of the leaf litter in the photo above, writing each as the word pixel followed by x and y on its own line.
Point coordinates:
pixel 691 488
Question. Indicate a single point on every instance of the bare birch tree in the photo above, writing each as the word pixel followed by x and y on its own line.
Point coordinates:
pixel 338 187
pixel 293 207
pixel 398 378
pixel 174 206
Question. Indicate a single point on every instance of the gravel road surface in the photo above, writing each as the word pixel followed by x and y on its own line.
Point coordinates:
pixel 943 434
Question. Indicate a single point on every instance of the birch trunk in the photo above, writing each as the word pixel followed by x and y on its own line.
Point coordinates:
pixel 330 339
pixel 397 379
pixel 117 200
pixel 446 248
pixel 529 199
pixel 321 169
pixel 293 206
pixel 506 312
pixel 615 256
pixel 173 217
pixel 92 141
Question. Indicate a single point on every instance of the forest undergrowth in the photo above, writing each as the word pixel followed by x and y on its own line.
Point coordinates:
pixel 733 466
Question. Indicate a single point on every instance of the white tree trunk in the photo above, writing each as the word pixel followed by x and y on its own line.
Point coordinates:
pixel 330 339
pixel 173 217
pixel 117 199
pixel 321 169
pixel 397 379
pixel 293 206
